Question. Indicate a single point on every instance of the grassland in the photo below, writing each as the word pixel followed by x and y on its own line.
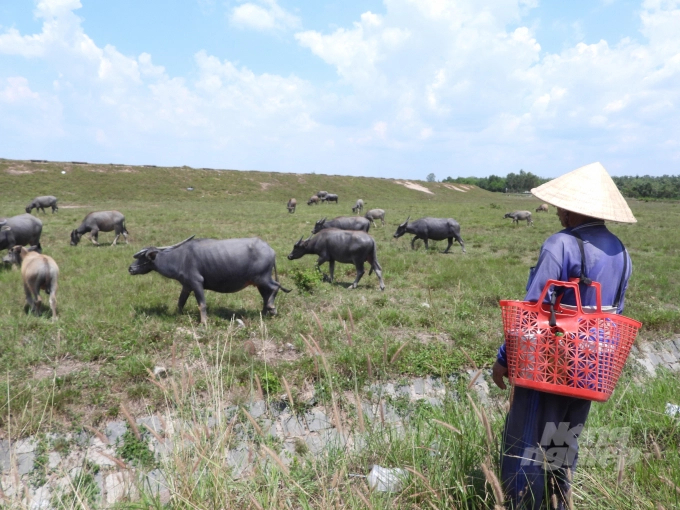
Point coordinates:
pixel 113 326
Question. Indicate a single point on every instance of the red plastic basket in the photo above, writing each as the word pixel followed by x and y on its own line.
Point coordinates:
pixel 581 356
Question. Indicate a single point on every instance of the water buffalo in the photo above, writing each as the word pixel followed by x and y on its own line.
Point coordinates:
pixel 347 247
pixel 542 208
pixel 220 265
pixel 41 203
pixel 359 206
pixel 330 197
pixel 21 230
pixel 38 272
pixel 343 223
pixel 322 195
pixel 375 214
pixel 518 216
pixel 313 200
pixel 292 204
pixel 432 228
pixel 100 221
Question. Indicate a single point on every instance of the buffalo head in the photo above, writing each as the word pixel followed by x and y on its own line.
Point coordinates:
pixel 318 227
pixel 29 208
pixel 146 257
pixel 401 229
pixel 75 237
pixel 299 249
pixel 6 237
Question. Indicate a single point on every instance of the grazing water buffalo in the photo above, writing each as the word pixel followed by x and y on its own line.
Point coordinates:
pixel 41 203
pixel 343 223
pixel 542 208
pixel 104 221
pixel 313 200
pixel 347 247
pixel 220 265
pixel 292 204
pixel 432 228
pixel 38 272
pixel 518 216
pixel 375 214
pixel 21 230
pixel 359 206
pixel 330 197
pixel 322 195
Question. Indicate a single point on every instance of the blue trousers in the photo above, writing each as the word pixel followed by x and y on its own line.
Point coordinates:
pixel 540 447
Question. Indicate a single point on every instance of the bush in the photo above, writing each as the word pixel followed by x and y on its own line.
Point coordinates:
pixel 306 280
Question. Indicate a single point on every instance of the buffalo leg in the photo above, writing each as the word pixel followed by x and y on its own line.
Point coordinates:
pixel 53 300
pixel 413 242
pixel 460 241
pixel 268 292
pixel 200 299
pixel 115 240
pixel 360 273
pixel 29 298
pixel 378 271
pixel 449 246
pixel 427 246
pixel 94 237
pixel 183 296
pixel 331 268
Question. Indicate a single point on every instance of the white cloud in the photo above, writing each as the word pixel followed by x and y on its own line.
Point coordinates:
pixel 462 83
pixel 266 16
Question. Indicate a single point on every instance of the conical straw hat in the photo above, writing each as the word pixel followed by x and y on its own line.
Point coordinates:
pixel 589 191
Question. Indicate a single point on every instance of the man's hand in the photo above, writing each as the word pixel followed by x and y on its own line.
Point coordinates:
pixel 498 373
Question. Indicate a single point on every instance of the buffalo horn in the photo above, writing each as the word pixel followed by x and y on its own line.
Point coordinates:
pixel 178 244
pixel 140 253
pixel 2 222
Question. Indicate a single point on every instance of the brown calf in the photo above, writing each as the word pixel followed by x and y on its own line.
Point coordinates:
pixel 38 272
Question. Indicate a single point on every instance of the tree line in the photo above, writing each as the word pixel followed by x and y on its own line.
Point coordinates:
pixel 644 187
pixel 511 183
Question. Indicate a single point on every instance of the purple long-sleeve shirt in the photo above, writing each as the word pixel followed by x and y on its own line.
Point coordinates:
pixel 560 259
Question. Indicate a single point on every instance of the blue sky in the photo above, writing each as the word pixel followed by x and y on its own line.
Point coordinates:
pixel 393 88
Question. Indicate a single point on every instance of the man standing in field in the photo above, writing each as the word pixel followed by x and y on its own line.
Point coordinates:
pixel 540 422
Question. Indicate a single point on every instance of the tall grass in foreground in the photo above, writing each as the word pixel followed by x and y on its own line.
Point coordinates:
pixel 450 453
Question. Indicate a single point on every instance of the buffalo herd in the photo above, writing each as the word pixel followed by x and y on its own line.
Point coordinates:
pixel 226 265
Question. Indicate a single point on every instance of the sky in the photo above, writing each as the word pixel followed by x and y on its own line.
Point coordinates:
pixel 391 88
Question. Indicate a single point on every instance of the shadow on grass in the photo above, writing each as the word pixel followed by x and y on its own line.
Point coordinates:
pixel 167 312
pixel 157 311
pixel 227 313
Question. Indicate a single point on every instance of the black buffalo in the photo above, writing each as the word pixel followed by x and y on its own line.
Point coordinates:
pixel 21 230
pixel 436 229
pixel 100 221
pixel 345 246
pixel 343 223
pixel 41 203
pixel 225 266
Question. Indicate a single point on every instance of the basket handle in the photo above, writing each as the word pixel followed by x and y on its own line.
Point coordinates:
pixel 573 284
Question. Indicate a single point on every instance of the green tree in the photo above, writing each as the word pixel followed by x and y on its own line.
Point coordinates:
pixel 431 177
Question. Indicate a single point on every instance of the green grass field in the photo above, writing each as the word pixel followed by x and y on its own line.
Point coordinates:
pixel 113 326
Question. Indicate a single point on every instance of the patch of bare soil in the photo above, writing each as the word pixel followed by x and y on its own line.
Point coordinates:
pixel 112 169
pixel 63 368
pixel 22 170
pixel 403 335
pixel 414 186
pixel 451 186
pixel 268 351
pixel 265 185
